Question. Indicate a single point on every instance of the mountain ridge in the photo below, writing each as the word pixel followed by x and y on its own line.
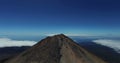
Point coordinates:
pixel 56 49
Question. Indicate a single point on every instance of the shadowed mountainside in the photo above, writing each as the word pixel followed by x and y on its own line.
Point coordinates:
pixel 7 52
pixel 106 53
pixel 55 49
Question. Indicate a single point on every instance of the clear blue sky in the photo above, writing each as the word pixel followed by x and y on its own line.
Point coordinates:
pixel 40 17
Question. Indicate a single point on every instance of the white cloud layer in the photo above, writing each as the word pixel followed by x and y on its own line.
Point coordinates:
pixel 70 34
pixel 6 42
pixel 115 44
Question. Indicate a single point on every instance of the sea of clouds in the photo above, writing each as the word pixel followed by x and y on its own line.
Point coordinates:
pixel 7 42
pixel 114 44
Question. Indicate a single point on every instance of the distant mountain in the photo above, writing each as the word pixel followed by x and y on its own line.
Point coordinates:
pixel 55 49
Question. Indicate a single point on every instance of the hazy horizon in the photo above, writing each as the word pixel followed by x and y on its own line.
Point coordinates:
pixel 77 17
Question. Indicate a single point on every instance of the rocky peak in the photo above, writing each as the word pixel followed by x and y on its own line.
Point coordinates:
pixel 56 49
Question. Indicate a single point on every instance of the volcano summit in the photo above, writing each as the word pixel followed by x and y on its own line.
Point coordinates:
pixel 55 49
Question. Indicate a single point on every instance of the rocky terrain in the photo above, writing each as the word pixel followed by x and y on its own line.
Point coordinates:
pixel 55 49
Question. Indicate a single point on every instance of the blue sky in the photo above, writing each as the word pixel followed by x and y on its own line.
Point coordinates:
pixel 77 17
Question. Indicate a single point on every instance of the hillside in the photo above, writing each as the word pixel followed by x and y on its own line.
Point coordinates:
pixel 56 49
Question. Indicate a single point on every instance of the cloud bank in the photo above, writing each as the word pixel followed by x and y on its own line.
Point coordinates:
pixel 115 44
pixel 7 42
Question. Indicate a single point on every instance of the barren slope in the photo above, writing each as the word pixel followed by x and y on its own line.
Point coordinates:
pixel 56 49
